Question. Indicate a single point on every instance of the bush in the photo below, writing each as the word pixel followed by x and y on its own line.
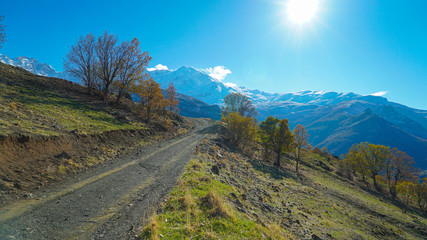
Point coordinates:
pixel 240 129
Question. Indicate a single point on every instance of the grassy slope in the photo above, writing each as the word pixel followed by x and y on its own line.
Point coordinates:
pixel 268 203
pixel 50 128
pixel 31 104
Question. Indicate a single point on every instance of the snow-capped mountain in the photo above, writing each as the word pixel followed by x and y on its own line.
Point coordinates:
pixel 198 84
pixel 34 66
pixel 334 120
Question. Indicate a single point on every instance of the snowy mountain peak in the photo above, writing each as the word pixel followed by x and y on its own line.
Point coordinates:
pixel 29 64
pixel 34 66
pixel 201 85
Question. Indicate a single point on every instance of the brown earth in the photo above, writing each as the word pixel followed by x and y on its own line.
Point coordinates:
pixel 39 146
pixel 31 162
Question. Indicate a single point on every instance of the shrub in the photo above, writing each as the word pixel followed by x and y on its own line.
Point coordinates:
pixel 240 129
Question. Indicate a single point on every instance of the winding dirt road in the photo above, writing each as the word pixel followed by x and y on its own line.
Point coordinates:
pixel 107 202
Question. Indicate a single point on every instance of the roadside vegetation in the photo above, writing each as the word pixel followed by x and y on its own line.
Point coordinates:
pixel 270 178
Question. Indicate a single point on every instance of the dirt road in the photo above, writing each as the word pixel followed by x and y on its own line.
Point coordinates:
pixel 108 202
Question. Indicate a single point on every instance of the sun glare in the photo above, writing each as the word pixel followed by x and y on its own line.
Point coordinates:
pixel 302 11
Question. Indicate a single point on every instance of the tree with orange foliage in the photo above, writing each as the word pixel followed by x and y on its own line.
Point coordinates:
pixel 150 95
pixel 133 67
pixel 171 100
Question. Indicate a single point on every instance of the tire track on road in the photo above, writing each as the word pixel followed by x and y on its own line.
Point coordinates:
pixel 22 206
pixel 106 205
pixel 96 222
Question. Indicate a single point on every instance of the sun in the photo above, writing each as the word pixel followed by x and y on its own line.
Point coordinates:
pixel 302 11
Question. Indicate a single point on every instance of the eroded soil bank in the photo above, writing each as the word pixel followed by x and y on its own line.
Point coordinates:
pixel 30 162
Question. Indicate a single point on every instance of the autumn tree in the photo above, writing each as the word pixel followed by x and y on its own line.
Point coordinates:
pixel 106 63
pixel 421 194
pixel 275 135
pixel 150 95
pixel 2 33
pixel 397 166
pixel 133 66
pixel 171 100
pixel 240 129
pixel 356 161
pixel 238 103
pixel 81 61
pixel 406 189
pixel 375 156
pixel 301 140
pixel 368 159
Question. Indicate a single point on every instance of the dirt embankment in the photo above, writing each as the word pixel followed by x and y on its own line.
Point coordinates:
pixel 29 162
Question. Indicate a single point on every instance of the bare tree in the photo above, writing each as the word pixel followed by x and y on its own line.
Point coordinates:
pixel 80 61
pixel 238 103
pixel 104 63
pixel 133 66
pixel 110 55
pixel 301 140
pixel 2 33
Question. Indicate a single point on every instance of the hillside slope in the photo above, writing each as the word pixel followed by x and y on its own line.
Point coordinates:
pixel 51 128
pixel 325 114
pixel 228 195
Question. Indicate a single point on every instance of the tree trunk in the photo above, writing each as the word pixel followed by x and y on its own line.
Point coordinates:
pixel 375 181
pixel 406 206
pixel 296 165
pixel 148 114
pixel 105 92
pixel 119 95
pixel 277 163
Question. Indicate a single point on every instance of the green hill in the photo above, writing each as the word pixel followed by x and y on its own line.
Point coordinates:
pixel 228 195
pixel 50 128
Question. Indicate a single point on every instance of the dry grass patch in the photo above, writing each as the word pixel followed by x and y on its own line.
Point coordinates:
pixel 216 205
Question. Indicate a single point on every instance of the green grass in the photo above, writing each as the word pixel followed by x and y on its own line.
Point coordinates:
pixel 187 216
pixel 317 202
pixel 47 112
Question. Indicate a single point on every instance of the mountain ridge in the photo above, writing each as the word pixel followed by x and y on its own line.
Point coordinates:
pixel 34 66
pixel 324 113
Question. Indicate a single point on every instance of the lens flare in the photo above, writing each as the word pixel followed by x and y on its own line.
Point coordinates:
pixel 302 11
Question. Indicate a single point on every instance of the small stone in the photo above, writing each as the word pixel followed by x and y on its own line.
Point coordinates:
pixel 28 195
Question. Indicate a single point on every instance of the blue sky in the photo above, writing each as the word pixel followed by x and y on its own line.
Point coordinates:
pixel 361 46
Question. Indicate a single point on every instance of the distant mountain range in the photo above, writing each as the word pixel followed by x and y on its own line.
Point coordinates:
pixel 334 120
pixel 34 66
